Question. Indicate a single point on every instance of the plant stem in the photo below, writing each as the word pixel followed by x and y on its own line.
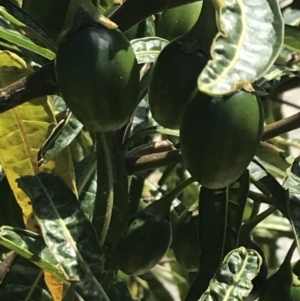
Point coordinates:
pixel 39 83
pixel 102 148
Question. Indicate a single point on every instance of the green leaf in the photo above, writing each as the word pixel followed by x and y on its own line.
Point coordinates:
pixel 220 218
pixel 10 211
pixel 20 40
pixel 147 49
pixel 292 183
pixel 250 41
pixel 292 38
pixel 269 186
pixel 24 281
pixel 86 176
pixel 32 247
pixel 61 137
pixel 68 234
pixel 278 286
pixel 111 205
pixel 27 25
pixel 272 155
pixel 233 279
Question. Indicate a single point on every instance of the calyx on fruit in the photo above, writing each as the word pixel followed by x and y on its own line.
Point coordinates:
pixel 98 76
pixel 219 136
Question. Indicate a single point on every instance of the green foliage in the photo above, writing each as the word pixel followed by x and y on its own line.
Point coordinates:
pixel 134 161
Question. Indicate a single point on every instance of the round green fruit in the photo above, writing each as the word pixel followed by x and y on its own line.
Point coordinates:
pixel 51 14
pixel 185 241
pixel 146 241
pixel 173 79
pixel 177 21
pixel 98 76
pixel 219 136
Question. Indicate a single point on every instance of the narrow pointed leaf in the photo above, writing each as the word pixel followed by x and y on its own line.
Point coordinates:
pixel 86 175
pixel 220 218
pixel 24 281
pixel 292 183
pixel 269 186
pixel 110 213
pixel 32 247
pixel 232 281
pixel 27 25
pixel 61 137
pixel 250 41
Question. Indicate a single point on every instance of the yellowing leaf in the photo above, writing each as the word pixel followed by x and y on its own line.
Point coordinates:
pixel 22 132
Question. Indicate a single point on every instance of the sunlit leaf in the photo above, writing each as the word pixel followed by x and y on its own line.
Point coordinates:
pixel 232 281
pixel 27 25
pixel 22 132
pixel 61 137
pixel 242 54
pixel 147 49
pixel 30 246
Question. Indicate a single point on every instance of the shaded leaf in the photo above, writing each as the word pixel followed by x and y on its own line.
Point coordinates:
pixel 24 280
pixel 241 53
pixel 111 205
pixel 269 186
pixel 86 175
pixel 292 38
pixel 220 218
pixel 32 247
pixel 147 49
pixel 292 183
pixel 232 281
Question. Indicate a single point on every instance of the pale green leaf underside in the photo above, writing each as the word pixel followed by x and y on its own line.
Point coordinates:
pixel 147 49
pixel 249 45
pixel 232 281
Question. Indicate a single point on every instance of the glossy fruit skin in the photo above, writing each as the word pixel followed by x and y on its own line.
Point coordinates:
pixel 50 14
pixel 98 76
pixel 173 79
pixel 219 136
pixel 177 21
pixel 145 243
pixel 185 241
